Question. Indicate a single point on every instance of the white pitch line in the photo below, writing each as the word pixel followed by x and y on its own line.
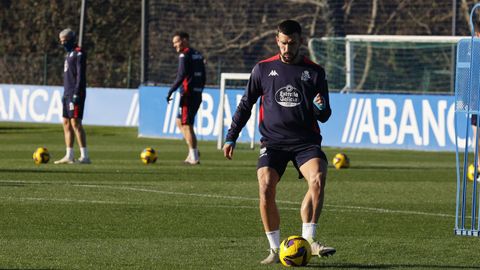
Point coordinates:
pixel 280 208
pixel 382 210
pixel 176 193
pixel 369 209
pixel 59 200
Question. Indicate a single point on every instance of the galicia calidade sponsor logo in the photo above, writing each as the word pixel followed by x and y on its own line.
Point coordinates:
pixel 288 96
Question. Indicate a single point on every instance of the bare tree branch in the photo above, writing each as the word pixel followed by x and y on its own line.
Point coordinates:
pixel 247 43
pixel 314 2
pixel 368 58
pixel 314 21
pixel 400 7
pixel 415 19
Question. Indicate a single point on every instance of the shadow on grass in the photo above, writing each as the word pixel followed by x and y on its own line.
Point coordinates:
pixel 11 184
pixel 157 172
pixel 389 168
pixel 29 129
pixel 77 171
pixel 27 268
pixel 39 171
pixel 387 266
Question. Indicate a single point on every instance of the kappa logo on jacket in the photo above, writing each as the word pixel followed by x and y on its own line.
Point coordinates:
pixel 273 73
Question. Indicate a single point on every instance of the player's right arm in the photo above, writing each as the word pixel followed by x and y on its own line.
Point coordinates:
pixel 244 111
pixel 228 148
pixel 181 74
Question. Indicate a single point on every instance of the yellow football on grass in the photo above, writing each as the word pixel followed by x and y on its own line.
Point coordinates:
pixel 340 161
pixel 41 156
pixel 295 251
pixel 148 155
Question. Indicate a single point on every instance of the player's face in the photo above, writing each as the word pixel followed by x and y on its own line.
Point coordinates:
pixel 178 43
pixel 289 46
pixel 63 40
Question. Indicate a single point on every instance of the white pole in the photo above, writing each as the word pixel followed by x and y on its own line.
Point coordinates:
pixel 83 10
pixel 221 106
pixel 349 77
pixel 220 112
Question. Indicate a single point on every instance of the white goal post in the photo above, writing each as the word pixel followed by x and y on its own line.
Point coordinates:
pixel 386 38
pixel 221 108
pixel 351 39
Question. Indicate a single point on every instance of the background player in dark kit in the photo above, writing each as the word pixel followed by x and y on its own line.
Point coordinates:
pixel 74 96
pixel 191 78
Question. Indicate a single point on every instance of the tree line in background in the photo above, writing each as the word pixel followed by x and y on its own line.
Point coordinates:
pixel 233 35
pixel 30 52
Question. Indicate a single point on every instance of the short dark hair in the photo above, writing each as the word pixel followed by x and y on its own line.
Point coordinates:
pixel 182 35
pixel 289 27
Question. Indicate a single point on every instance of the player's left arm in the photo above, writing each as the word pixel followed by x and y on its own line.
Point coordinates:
pixel 80 76
pixel 321 101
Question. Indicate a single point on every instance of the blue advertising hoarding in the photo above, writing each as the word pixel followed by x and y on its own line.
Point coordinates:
pixel 417 122
pixel 420 122
pixel 43 104
pixel 157 118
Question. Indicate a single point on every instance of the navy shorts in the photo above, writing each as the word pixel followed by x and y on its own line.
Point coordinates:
pixel 188 107
pixel 279 158
pixel 71 110
pixel 474 120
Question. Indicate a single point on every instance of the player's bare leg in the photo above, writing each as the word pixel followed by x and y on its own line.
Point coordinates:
pixel 267 183
pixel 81 140
pixel 190 136
pixel 79 132
pixel 315 172
pixel 191 140
pixel 184 129
pixel 178 121
pixel 68 134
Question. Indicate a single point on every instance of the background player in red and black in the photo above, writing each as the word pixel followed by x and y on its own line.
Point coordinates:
pixel 191 78
pixel 294 97
pixel 74 94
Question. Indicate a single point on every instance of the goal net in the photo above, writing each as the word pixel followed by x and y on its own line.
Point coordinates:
pixel 418 64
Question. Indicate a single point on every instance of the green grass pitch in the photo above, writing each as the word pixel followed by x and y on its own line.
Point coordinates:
pixel 390 210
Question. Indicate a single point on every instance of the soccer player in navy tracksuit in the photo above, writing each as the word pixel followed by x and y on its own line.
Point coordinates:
pixel 73 100
pixel 191 78
pixel 294 96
